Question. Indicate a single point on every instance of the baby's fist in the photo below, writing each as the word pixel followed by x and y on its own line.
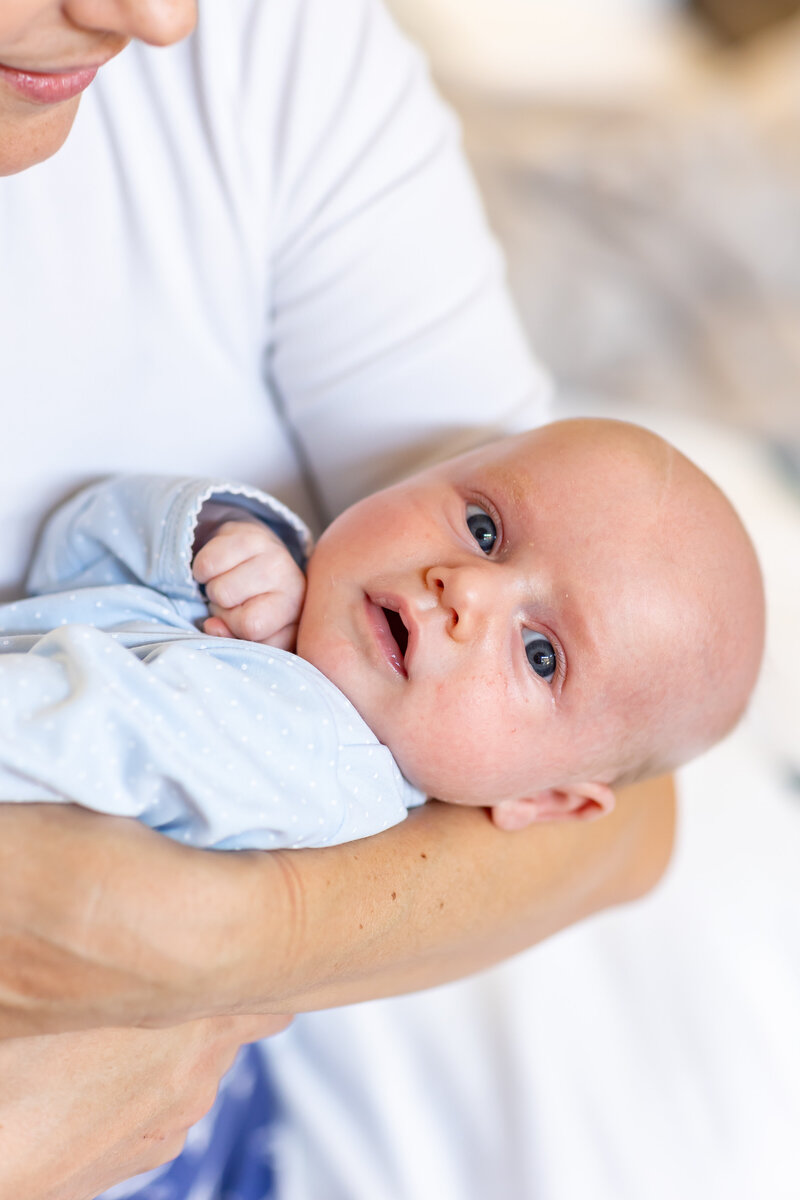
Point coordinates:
pixel 255 589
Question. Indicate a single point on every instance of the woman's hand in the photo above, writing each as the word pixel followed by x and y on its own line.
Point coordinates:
pixel 82 1111
pixel 104 922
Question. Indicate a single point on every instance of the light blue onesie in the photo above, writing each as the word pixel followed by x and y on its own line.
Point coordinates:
pixel 111 698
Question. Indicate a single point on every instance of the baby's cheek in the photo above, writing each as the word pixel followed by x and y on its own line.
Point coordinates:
pixel 321 645
pixel 456 748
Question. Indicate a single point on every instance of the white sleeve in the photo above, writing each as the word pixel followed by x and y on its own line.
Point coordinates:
pixel 392 329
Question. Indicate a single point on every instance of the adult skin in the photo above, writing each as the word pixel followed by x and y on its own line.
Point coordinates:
pixel 117 1121
pixel 50 51
pixel 115 937
pixel 98 919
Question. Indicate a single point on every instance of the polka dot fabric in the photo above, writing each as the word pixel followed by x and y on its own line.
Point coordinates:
pixel 110 698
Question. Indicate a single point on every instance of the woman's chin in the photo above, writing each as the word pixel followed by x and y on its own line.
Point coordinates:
pixel 29 133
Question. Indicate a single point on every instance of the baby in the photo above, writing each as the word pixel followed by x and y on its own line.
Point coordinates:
pixel 525 627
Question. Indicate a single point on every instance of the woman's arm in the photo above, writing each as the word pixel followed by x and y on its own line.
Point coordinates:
pixel 136 929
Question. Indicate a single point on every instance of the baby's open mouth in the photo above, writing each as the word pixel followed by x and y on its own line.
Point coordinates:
pixel 397 630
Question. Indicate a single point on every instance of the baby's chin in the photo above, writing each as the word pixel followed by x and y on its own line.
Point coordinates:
pixel 454 772
pixel 451 787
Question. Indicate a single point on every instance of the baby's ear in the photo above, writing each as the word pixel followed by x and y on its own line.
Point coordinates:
pixel 579 802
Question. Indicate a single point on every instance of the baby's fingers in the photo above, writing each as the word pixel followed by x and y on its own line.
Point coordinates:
pixel 216 627
pixel 270 618
pixel 245 581
pixel 235 542
pixel 283 639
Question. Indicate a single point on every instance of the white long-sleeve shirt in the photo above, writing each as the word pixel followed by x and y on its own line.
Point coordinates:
pixel 259 255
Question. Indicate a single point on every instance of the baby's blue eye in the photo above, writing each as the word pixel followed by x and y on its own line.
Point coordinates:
pixel 541 654
pixel 482 527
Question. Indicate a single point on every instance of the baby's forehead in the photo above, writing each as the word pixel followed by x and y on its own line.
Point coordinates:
pixel 616 495
pixel 564 445
pixel 612 471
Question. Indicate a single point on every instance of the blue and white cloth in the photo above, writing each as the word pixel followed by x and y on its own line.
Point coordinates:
pixel 111 698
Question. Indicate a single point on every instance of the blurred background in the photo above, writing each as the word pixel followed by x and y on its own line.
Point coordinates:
pixel 640 164
pixel 643 172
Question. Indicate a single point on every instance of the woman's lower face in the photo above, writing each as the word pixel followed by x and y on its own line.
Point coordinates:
pixel 50 51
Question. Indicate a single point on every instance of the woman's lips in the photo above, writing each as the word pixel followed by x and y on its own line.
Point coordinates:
pixel 48 88
pixel 387 643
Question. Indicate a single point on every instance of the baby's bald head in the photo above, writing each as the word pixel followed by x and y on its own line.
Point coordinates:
pixel 528 623
pixel 688 578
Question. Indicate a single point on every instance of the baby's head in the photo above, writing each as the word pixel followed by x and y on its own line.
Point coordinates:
pixel 535 622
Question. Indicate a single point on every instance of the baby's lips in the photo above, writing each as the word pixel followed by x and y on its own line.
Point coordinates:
pixel 387 626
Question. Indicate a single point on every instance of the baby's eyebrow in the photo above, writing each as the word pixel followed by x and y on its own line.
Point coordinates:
pixel 516 495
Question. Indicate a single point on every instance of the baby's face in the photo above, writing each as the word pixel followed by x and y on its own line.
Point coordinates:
pixel 477 617
pixel 503 621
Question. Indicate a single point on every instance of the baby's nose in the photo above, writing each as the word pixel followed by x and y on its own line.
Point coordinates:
pixel 466 592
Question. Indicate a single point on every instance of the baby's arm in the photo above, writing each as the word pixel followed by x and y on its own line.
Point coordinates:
pixel 141 530
pixel 253 585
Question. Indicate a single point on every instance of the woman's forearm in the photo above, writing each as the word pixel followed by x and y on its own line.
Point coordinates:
pixel 446 894
pixel 105 922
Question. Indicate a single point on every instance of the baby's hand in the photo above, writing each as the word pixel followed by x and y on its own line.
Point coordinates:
pixel 254 587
